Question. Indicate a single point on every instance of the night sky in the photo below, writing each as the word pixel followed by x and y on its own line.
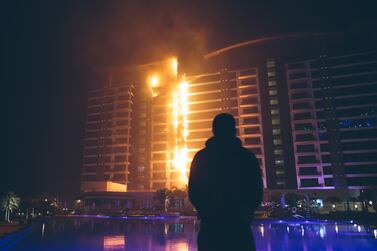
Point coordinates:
pixel 50 48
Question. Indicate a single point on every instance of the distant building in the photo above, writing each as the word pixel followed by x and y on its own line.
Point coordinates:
pixel 107 144
pixel 333 106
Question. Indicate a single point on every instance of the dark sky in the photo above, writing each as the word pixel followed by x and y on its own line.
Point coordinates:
pixel 49 50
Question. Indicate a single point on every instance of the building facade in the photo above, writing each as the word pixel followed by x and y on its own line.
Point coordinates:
pixel 312 123
pixel 333 106
pixel 107 145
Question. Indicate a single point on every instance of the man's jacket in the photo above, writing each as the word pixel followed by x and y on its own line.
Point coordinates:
pixel 225 180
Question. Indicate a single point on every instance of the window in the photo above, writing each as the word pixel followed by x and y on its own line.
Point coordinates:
pixel 305 148
pixel 271 74
pixel 141 150
pixel 277 142
pixel 278 151
pixel 279 162
pixel 140 169
pixel 276 131
pixel 270 64
pixel 251 130
pixel 274 101
pixel 142 132
pixel 272 83
pixel 279 172
pixel 272 92
pixel 275 121
pixel 274 111
pixel 297 75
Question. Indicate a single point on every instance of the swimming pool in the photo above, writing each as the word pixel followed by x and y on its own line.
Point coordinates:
pixel 155 234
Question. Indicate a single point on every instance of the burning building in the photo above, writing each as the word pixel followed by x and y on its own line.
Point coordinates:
pixel 142 132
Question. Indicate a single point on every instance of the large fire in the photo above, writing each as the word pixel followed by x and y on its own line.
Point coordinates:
pixel 177 109
pixel 179 113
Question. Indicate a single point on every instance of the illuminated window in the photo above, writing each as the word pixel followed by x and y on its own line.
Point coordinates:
pixel 272 92
pixel 274 101
pixel 140 169
pixel 277 142
pixel 270 64
pixel 282 183
pixel 279 172
pixel 279 162
pixel 278 151
pixel 272 83
pixel 274 111
pixel 275 121
pixel 142 115
pixel 276 131
pixel 271 74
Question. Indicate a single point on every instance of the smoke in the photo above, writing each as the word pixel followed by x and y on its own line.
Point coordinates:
pixel 136 32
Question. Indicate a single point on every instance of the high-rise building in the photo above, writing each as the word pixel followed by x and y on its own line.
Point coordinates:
pixel 235 92
pixel 310 122
pixel 107 144
pixel 333 106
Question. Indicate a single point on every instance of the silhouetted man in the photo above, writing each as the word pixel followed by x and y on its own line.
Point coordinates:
pixel 225 188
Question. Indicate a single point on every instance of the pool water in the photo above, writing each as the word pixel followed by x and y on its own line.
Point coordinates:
pixel 63 234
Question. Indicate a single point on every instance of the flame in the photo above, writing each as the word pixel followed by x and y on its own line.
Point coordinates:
pixel 177 102
pixel 180 124
pixel 173 63
pixel 154 80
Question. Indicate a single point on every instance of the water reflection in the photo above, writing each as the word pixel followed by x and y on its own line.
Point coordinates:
pixel 113 242
pixel 169 235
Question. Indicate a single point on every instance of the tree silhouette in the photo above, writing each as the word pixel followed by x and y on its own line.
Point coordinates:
pixel 9 204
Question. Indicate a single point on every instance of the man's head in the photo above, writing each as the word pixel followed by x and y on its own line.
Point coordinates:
pixel 224 125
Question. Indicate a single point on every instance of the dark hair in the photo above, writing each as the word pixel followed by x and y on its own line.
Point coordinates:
pixel 224 124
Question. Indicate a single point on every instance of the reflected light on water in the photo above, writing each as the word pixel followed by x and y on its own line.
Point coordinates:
pixel 177 246
pixel 43 231
pixel 66 234
pixel 322 232
pixel 261 230
pixel 166 229
pixel 114 242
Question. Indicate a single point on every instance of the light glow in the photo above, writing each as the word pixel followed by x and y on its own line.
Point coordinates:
pixel 180 126
pixel 173 63
pixel 154 80
pixel 116 242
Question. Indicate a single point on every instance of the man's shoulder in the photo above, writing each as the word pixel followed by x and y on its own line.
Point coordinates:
pixel 201 152
pixel 246 152
pixel 247 155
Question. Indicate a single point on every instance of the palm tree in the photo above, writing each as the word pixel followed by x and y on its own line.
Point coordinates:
pixel 162 196
pixel 10 203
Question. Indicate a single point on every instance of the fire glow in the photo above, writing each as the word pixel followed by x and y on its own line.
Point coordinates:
pixel 177 124
pixel 179 113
